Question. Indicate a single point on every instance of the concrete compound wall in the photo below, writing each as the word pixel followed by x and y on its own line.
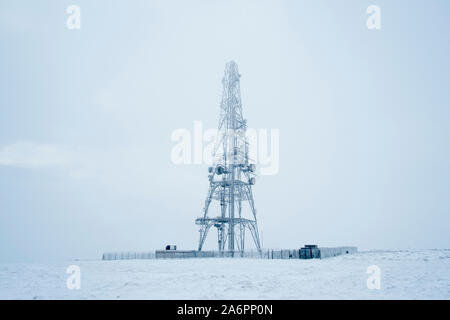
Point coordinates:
pixel 173 254
pixel 313 253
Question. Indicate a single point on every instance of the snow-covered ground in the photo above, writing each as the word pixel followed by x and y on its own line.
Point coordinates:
pixel 404 275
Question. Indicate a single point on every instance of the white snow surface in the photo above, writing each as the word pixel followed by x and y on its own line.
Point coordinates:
pixel 404 275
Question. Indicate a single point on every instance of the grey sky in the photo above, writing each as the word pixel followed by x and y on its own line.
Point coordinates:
pixel 86 118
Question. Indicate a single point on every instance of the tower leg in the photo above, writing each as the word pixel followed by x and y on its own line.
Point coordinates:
pixel 223 207
pixel 204 228
pixel 254 231
pixel 203 233
pixel 241 229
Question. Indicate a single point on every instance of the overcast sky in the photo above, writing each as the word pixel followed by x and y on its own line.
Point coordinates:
pixel 86 118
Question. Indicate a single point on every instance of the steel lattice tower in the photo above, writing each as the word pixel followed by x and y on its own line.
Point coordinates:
pixel 232 175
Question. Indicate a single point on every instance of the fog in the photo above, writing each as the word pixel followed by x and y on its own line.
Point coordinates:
pixel 87 115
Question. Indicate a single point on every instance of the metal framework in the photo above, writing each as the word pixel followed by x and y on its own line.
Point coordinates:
pixel 232 175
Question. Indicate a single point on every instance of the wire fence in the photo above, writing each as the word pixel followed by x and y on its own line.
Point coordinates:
pixel 303 253
pixel 181 254
pixel 128 255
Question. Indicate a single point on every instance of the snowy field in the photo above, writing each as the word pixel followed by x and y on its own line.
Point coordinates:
pixel 404 275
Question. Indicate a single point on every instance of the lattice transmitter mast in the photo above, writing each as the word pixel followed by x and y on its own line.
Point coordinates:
pixel 232 175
